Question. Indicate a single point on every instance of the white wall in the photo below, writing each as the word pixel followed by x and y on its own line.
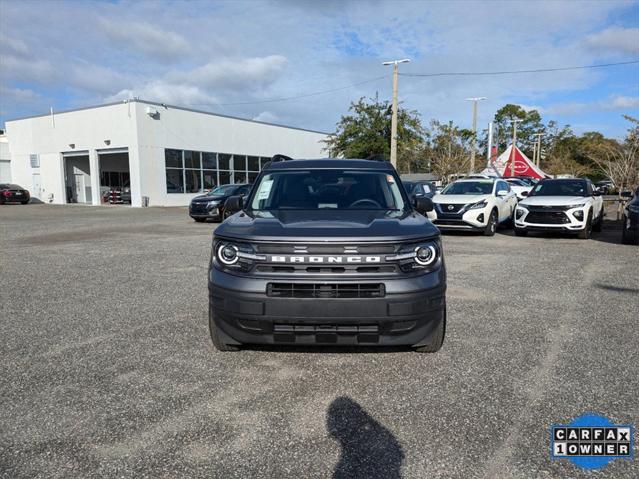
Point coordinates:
pixel 5 161
pixel 50 136
pixel 126 125
pixel 188 130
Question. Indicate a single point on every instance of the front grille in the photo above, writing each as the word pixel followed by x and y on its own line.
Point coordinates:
pixel 272 268
pixel 547 217
pixel 321 290
pixel 449 222
pixel 450 208
pixel 199 208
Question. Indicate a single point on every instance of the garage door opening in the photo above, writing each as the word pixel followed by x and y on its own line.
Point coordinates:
pixel 115 178
pixel 77 178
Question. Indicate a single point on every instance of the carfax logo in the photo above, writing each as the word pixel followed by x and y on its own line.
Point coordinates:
pixel 591 441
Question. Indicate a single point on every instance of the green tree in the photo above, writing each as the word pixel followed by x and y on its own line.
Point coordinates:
pixel 366 131
pixel 530 124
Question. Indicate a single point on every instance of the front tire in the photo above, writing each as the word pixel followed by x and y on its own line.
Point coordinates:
pixel 585 233
pixel 24 202
pixel 199 220
pixel 216 337
pixel 491 227
pixel 437 338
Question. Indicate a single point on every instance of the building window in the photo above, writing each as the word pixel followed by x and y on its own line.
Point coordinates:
pixel 194 171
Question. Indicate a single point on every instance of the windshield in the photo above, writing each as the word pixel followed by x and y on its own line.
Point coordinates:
pixel 469 188
pixel 327 189
pixel 517 182
pixel 560 188
pixel 223 190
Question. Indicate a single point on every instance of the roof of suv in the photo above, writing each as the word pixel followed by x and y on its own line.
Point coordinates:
pixel 331 163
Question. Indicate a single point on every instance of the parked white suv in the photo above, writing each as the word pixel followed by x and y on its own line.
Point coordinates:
pixel 474 204
pixel 572 205
pixel 521 188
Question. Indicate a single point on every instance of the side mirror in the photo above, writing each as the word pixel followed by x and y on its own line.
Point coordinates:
pixel 524 193
pixel 596 193
pixel 423 205
pixel 234 204
pixel 502 193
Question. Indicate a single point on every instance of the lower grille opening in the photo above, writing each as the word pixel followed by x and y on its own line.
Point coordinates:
pixel 321 290
pixel 553 217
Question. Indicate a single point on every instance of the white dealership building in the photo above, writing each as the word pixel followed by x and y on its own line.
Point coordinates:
pixel 162 153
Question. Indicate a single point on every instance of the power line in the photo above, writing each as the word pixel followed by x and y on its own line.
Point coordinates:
pixel 512 72
pixel 274 100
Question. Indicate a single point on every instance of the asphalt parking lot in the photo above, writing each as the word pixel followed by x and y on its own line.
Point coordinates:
pixel 107 369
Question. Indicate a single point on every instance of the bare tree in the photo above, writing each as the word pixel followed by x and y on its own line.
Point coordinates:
pixel 620 164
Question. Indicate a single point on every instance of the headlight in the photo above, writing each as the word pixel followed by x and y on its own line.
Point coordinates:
pixel 580 205
pixel 478 205
pixel 422 257
pixel 520 211
pixel 425 255
pixel 212 204
pixel 579 214
pixel 234 255
pixel 227 254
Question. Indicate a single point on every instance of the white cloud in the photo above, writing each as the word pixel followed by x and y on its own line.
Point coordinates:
pixel 13 46
pixel 266 116
pixel 21 69
pixel 616 40
pixel 170 93
pixel 235 74
pixel 621 102
pixel 145 38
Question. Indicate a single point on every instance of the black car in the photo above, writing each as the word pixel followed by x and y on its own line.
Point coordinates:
pixel 630 230
pixel 211 205
pixel 416 189
pixel 327 252
pixel 10 193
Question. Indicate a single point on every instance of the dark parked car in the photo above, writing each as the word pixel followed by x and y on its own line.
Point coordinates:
pixel 327 252
pixel 630 232
pixel 416 189
pixel 606 186
pixel 10 193
pixel 210 206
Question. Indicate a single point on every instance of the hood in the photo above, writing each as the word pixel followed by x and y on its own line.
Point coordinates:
pixel 327 225
pixel 207 198
pixel 553 200
pixel 458 199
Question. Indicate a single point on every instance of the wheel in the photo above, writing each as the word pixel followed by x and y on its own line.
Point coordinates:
pixel 521 232
pixel 24 202
pixel 437 338
pixel 225 214
pixel 216 337
pixel 200 220
pixel 599 223
pixel 491 227
pixel 626 238
pixel 585 233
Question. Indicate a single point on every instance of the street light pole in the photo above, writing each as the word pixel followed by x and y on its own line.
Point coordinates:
pixel 537 159
pixel 474 148
pixel 393 157
pixel 514 145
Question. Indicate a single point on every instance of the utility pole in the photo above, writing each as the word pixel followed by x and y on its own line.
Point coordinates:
pixel 393 157
pixel 474 148
pixel 489 148
pixel 514 145
pixel 537 156
pixel 450 141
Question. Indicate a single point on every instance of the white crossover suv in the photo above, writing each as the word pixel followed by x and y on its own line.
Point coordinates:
pixel 572 205
pixel 520 187
pixel 474 204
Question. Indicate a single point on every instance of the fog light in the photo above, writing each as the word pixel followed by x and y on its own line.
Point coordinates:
pixel 480 218
pixel 579 214
pixel 519 213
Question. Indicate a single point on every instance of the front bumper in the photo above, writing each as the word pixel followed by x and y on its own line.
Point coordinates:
pixel 558 220
pixel 213 213
pixel 471 220
pixel 407 315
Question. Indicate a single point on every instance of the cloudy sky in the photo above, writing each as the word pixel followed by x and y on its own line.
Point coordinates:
pixel 242 57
